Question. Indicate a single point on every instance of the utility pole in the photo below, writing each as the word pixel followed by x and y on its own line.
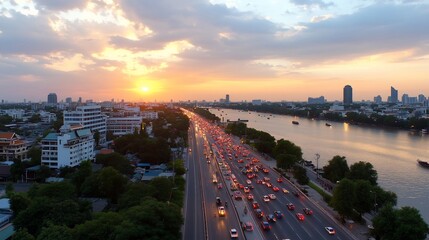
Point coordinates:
pixel 317 165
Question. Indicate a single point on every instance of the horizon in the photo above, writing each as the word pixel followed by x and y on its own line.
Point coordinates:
pixel 146 51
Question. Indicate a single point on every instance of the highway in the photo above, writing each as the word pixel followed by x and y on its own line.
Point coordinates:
pixel 234 157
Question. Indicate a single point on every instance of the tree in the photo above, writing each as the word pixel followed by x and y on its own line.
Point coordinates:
pixel 42 173
pixel 397 224
pixel 363 202
pixel 336 169
pixel 287 147
pixel 22 234
pixel 163 187
pixel 115 160
pixel 343 198
pixel 101 226
pixel 35 154
pixel 364 171
pixel 179 167
pixel 55 232
pixel 112 183
pixel 134 194
pixel 58 191
pixel 79 177
pixel 286 161
pixel 383 198
pixel 300 174
pixel 18 203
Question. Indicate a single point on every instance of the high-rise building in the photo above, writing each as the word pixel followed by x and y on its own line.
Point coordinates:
pixel 52 98
pixel 90 117
pixel 393 95
pixel 422 98
pixel 227 98
pixel 69 100
pixel 405 99
pixel 378 99
pixel 347 95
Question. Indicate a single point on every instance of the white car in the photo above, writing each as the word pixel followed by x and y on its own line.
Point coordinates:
pixel 272 196
pixel 233 232
pixel 330 230
pixel 266 198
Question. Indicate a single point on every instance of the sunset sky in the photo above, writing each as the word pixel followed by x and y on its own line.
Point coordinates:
pixel 147 50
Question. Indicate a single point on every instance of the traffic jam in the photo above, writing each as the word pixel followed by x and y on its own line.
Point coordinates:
pixel 267 194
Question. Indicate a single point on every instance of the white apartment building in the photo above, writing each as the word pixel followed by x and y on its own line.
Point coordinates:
pixel 149 115
pixel 68 148
pixel 90 117
pixel 12 146
pixel 124 125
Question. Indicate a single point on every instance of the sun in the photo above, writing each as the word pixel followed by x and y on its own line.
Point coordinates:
pixel 144 89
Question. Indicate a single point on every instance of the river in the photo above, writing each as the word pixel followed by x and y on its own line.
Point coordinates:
pixel 393 153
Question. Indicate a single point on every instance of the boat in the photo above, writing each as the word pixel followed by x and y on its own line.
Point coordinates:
pixel 328 124
pixel 423 163
pixel 295 122
pixel 424 131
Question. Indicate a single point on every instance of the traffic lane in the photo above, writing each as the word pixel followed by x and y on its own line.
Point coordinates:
pixel 219 226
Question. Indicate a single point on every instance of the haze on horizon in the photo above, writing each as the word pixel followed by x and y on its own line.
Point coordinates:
pixel 199 49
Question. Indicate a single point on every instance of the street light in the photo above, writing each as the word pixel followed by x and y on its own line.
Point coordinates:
pixel 317 165
pixel 375 200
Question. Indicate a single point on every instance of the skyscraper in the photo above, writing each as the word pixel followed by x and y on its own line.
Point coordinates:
pixel 393 95
pixel 227 98
pixel 52 98
pixel 347 95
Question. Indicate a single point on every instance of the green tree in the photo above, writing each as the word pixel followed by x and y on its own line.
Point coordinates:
pixel 364 171
pixel 179 167
pixel 100 227
pixel 22 234
pixel 18 203
pixel 363 201
pixel 42 173
pixel 58 191
pixel 112 183
pixel 236 128
pixel 336 169
pixel 163 188
pixel 287 147
pixel 383 198
pixel 286 161
pixel 300 174
pixel 135 193
pixel 97 138
pixel 79 177
pixel 35 153
pixel 343 198
pixel 115 160
pixel 55 232
pixel 35 118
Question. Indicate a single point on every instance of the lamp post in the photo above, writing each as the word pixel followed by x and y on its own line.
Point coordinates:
pixel 375 200
pixel 317 165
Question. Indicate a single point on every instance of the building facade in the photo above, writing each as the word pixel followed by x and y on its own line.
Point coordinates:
pixel 90 117
pixel 347 95
pixel 52 99
pixel 68 148
pixel 319 100
pixel 393 95
pixel 124 125
pixel 12 147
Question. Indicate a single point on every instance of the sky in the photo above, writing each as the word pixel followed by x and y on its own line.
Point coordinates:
pixel 145 50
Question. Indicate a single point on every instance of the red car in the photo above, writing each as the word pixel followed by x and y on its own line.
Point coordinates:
pixel 255 205
pixel 265 226
pixel 290 206
pixel 307 211
pixel 276 189
pixel 259 181
pixel 300 216
pixel 250 197
pixel 265 170
pixel 240 161
pixel 279 180
pixel 269 185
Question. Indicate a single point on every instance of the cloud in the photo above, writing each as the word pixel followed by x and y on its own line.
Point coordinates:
pixel 308 4
pixel 61 5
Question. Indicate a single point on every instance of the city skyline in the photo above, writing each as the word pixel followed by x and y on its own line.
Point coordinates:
pixel 203 49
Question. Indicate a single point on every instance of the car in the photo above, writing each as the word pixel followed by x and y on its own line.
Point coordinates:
pixel 259 181
pixel 284 190
pixel 279 180
pixel 240 161
pixel 330 230
pixel 300 216
pixel 248 226
pixel 250 175
pixel 250 197
pixel 266 179
pixel 208 161
pixel 290 206
pixel 233 232
pixel 251 186
pixel 259 213
pixel 296 193
pixel 237 195
pixel 218 201
pixel 219 185
pixel 278 214
pixel 307 211
pixel 241 186
pixel 265 170
pixel 271 218
pixel 276 189
pixel 228 178
pixel 266 198
pixel 248 181
pixel 246 189
pixel 221 211
pixel 269 185
pixel 272 196
pixel 265 226
pixel 255 205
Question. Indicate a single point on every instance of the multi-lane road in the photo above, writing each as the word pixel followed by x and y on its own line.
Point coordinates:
pixel 211 148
